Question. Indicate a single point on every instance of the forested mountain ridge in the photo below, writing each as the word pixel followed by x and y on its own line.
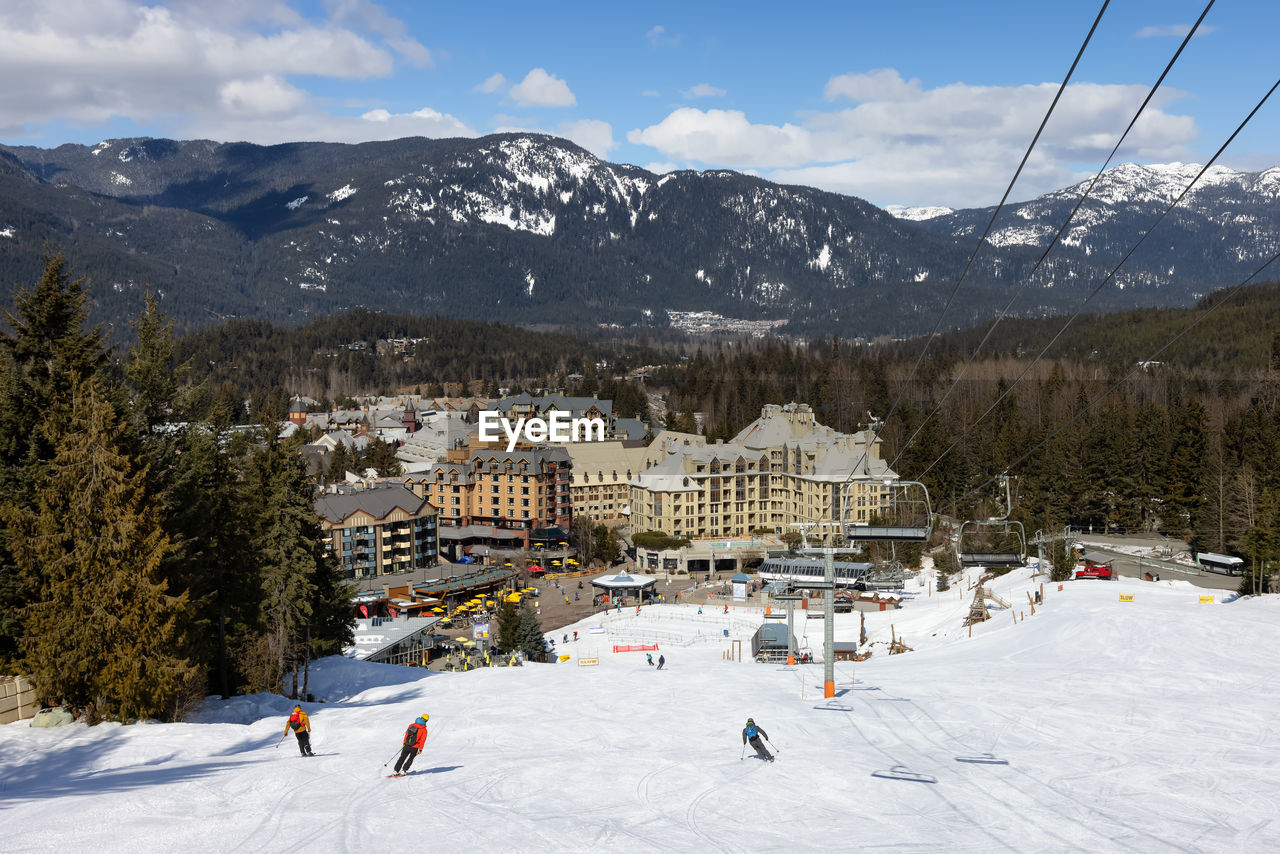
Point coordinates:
pixel 522 228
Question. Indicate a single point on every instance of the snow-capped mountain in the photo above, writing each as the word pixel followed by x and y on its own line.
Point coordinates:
pixel 1225 227
pixel 527 228
pixel 914 214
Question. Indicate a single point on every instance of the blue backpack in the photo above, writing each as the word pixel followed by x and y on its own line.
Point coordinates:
pixel 750 731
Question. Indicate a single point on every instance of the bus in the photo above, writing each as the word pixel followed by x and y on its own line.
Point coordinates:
pixel 1225 564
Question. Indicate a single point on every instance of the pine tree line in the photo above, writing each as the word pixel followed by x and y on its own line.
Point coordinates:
pixel 146 559
pixel 1187 451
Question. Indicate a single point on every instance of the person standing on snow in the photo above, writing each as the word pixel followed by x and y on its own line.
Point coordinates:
pixel 414 738
pixel 300 725
pixel 752 733
pixel 649 656
pixel 662 659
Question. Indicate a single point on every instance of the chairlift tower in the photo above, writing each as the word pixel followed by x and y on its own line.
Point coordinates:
pixel 828 585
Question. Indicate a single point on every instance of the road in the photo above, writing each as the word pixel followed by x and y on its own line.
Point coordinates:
pixel 1132 566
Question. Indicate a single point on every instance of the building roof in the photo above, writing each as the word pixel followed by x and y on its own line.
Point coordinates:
pixel 591 458
pixel 547 402
pixel 623 581
pixel 370 639
pixel 378 501
pixel 466 532
pixel 632 428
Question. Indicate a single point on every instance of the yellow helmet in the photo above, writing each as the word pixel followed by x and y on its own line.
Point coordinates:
pixel 297 708
pixel 425 717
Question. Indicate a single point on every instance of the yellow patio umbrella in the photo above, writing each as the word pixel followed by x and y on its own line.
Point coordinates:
pixel 489 602
pixel 555 563
pixel 572 561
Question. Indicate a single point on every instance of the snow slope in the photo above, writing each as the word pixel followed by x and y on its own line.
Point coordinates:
pixel 1125 726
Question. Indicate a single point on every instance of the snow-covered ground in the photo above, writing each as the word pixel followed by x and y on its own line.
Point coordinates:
pixel 1111 726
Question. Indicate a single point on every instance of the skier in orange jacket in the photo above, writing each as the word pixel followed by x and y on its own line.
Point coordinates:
pixel 414 738
pixel 300 725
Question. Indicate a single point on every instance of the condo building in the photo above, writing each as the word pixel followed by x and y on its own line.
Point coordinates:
pixel 781 470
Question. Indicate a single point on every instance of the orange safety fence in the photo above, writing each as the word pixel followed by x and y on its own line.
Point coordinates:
pixel 647 647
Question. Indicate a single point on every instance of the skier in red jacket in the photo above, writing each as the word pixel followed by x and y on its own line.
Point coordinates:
pixel 414 737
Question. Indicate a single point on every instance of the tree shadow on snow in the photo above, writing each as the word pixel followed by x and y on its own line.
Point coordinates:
pixel 54 779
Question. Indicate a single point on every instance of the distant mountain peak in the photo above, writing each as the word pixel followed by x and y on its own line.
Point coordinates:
pixel 919 213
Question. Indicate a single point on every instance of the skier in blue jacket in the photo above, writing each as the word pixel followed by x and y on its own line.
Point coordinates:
pixel 754 734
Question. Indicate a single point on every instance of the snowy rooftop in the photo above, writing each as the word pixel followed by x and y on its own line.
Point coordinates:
pixel 371 639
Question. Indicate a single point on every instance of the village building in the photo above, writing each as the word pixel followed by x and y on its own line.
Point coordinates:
pixel 781 470
pixel 383 529
pixel 489 496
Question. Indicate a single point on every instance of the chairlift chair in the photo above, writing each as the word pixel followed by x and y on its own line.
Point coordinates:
pixel 1001 531
pixel 910 515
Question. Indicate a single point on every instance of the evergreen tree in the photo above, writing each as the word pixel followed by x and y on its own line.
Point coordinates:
pixel 297 579
pixel 45 351
pixel 508 626
pixel 153 379
pixel 608 546
pixel 103 634
pixel 340 462
pixel 210 561
pixel 529 633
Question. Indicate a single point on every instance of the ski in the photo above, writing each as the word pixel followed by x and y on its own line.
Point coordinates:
pixel 901 772
pixel 982 759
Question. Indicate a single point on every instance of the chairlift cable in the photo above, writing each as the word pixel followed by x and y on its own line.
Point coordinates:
pixel 1225 295
pixel 877 428
pixel 1103 283
pixel 1056 237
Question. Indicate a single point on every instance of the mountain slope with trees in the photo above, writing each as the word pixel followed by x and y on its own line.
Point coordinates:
pixel 525 228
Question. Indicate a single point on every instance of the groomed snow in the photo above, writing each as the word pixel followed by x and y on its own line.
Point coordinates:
pixel 1125 726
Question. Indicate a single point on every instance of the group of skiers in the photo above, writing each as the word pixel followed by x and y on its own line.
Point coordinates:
pixel 415 737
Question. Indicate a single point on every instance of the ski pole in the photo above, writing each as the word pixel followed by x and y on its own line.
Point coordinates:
pixel 774 746
pixel 282 738
pixel 393 756
pixel 744 752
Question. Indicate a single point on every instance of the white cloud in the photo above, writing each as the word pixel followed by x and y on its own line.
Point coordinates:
pixel 540 89
pixel 883 84
pixel 660 167
pixel 265 95
pixel 372 17
pixel 1178 30
pixel 725 138
pixel 491 84
pixel 592 134
pixel 187 63
pixel 650 93
pixel 955 145
pixel 313 125
pixel 702 90
pixel 655 35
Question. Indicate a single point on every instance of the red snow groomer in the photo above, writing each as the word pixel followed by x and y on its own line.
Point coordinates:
pixel 1094 567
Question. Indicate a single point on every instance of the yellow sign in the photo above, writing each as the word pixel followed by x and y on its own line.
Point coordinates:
pixel 565 657
pixel 1126 597
pixel 588 662
pixel 1206 600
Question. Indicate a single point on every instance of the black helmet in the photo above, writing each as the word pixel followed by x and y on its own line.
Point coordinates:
pixel 750 721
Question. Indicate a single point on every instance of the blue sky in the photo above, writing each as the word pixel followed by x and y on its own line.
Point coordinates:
pixel 901 103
